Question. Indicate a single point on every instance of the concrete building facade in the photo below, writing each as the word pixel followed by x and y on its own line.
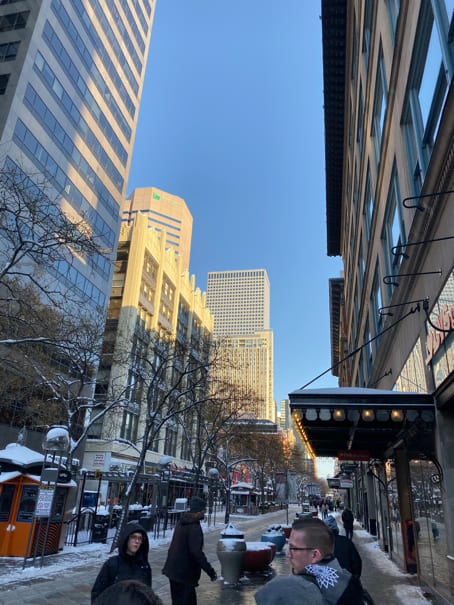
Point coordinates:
pixel 166 213
pixel 240 304
pixel 389 118
pixel 71 78
pixel 151 296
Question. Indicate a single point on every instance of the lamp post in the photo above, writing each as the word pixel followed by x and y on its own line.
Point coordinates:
pixel 164 478
pixel 213 475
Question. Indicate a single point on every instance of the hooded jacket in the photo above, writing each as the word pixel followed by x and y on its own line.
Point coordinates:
pixel 185 558
pixel 124 566
pixel 325 583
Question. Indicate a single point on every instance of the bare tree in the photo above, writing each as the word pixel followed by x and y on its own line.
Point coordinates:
pixel 175 380
pixel 36 234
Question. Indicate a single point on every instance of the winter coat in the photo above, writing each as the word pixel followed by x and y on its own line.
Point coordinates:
pixel 320 584
pixel 347 518
pixel 124 566
pixel 347 555
pixel 185 558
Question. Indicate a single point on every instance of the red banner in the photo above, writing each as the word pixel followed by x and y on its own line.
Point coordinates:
pixel 354 455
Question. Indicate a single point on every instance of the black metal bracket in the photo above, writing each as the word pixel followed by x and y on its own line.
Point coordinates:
pixel 388 279
pixel 420 197
pixel 398 250
pixel 425 307
pixel 408 302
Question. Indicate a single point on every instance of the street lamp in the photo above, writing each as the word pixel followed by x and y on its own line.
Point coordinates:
pixel 213 475
pixel 164 479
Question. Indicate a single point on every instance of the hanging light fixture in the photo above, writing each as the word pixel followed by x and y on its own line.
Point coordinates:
pixel 397 415
pixel 367 415
pixel 339 415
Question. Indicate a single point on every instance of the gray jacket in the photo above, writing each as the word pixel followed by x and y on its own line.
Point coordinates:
pixel 321 584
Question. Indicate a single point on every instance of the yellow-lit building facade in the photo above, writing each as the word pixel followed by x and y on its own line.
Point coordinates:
pixel 151 295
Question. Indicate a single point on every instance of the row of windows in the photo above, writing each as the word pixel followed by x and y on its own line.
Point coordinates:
pixel 431 70
pixel 66 143
pixel 132 22
pixel 13 21
pixel 8 51
pixel 25 139
pixel 63 268
pixel 92 32
pixel 80 85
pixel 55 86
pixel 142 19
pixel 83 285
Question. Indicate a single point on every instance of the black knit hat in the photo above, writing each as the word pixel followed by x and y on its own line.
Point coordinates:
pixel 196 505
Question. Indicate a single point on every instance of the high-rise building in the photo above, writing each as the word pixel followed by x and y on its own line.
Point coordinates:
pixel 165 213
pixel 71 78
pixel 152 302
pixel 240 304
pixel 239 301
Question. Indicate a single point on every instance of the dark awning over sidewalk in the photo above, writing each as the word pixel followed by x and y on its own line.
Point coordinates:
pixel 372 420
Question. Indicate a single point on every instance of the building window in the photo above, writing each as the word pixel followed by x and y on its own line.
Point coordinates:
pixel 380 104
pixel 368 207
pixel 13 21
pixel 367 31
pixel 393 233
pixel 3 83
pixel 431 72
pixel 376 303
pixel 8 51
pixel 393 7
pixel 360 125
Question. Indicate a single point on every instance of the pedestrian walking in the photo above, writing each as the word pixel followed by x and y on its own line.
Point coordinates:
pixel 317 578
pixel 347 520
pixel 344 549
pixel 185 558
pixel 131 563
pixel 128 592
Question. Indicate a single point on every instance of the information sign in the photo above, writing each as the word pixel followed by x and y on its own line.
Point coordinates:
pixel 44 503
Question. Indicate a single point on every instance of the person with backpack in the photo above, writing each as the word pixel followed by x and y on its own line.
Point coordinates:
pixel 317 578
pixel 344 550
pixel 131 563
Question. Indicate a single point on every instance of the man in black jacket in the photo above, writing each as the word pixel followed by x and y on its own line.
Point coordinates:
pixel 344 549
pixel 131 563
pixel 186 559
pixel 347 520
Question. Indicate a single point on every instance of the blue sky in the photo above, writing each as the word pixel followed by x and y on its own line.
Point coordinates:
pixel 232 121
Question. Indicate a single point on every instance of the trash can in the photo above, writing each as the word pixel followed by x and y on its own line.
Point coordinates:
pixel 146 520
pixel 100 529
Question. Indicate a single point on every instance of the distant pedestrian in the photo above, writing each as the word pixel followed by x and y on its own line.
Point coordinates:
pixel 131 563
pixel 347 520
pixel 344 549
pixel 317 578
pixel 186 559
pixel 128 592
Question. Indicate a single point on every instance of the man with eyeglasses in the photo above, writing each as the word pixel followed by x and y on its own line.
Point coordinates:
pixel 317 578
pixel 131 563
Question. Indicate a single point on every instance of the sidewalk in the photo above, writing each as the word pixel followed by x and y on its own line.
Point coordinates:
pixel 68 577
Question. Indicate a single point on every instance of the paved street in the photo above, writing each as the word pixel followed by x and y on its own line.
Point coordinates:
pixel 73 586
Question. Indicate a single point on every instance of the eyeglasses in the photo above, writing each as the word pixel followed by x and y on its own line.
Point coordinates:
pixel 301 548
pixel 136 538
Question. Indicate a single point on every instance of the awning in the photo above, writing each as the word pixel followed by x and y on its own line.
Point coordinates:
pixel 358 419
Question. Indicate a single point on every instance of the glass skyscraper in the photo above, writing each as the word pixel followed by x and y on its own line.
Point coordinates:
pixel 71 78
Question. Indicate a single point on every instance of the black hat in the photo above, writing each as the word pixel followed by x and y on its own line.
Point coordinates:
pixel 196 505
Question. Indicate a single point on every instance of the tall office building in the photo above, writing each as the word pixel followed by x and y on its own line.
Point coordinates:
pixel 239 301
pixel 240 304
pixel 165 213
pixel 71 78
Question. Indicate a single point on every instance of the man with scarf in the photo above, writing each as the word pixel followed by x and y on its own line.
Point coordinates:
pixel 317 578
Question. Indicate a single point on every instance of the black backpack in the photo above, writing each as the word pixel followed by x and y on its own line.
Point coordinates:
pixel 355 594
